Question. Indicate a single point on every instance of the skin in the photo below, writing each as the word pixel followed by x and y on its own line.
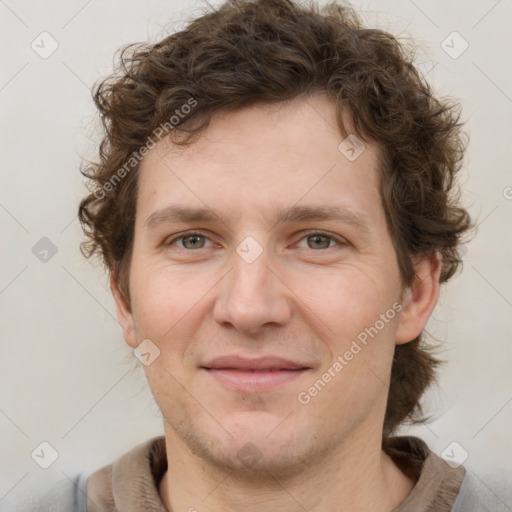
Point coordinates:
pixel 303 298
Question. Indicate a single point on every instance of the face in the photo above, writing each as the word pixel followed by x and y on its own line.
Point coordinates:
pixel 264 273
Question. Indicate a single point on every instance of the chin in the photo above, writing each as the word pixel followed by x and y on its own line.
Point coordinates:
pixel 261 446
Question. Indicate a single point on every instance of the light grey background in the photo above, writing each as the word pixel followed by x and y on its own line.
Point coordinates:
pixel 65 371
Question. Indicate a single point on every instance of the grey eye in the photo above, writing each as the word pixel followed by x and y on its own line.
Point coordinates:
pixel 193 241
pixel 318 241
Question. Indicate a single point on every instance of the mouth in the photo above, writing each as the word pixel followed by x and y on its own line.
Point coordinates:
pixel 254 375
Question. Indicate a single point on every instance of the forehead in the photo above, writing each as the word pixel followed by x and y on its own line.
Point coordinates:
pixel 264 159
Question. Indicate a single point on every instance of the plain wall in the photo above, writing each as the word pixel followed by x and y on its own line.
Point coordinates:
pixel 65 370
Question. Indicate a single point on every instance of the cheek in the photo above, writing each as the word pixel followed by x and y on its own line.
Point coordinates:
pixel 359 322
pixel 169 307
pixel 346 301
pixel 163 299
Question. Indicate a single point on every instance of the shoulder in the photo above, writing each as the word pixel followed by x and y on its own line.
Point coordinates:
pixel 116 486
pixel 66 495
pixel 442 486
pixel 477 493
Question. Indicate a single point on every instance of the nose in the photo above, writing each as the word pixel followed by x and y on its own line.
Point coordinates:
pixel 253 296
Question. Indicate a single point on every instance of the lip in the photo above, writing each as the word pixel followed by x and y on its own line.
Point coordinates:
pixel 254 375
pixel 254 381
pixel 266 363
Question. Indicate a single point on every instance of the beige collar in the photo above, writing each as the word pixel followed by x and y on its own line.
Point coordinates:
pixel 131 483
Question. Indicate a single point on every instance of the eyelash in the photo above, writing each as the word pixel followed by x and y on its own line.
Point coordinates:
pixel 339 241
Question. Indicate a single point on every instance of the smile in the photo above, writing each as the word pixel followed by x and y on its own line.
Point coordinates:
pixel 254 380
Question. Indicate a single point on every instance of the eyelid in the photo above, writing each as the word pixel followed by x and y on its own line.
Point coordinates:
pixel 178 236
pixel 340 241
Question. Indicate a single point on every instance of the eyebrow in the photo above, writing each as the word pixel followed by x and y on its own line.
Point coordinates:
pixel 297 213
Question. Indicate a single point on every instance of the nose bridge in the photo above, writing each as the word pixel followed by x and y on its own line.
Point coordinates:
pixel 251 296
pixel 250 275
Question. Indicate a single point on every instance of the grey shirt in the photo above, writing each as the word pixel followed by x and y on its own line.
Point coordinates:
pixel 130 484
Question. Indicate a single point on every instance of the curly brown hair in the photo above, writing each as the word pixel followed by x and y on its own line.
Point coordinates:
pixel 249 52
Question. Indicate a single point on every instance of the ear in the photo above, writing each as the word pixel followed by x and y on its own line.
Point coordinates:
pixel 419 299
pixel 124 314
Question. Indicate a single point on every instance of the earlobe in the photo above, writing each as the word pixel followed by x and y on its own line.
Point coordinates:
pixel 124 314
pixel 419 299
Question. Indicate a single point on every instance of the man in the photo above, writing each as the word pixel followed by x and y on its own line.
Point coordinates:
pixel 274 203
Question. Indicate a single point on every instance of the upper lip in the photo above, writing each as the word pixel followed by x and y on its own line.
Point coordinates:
pixel 260 363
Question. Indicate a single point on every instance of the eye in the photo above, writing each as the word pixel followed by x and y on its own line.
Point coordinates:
pixel 189 241
pixel 314 240
pixel 320 241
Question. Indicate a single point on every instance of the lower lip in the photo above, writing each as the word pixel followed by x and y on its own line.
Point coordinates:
pixel 243 380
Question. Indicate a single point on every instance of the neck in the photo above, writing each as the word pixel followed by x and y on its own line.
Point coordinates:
pixel 358 477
